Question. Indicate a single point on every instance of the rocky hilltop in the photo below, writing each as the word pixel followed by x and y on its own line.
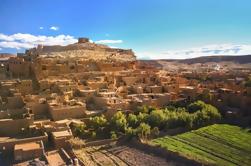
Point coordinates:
pixel 83 49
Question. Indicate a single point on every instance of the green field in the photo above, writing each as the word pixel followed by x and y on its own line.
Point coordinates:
pixel 218 144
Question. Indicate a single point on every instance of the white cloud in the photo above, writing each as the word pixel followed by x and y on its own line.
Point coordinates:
pixel 109 41
pixel 21 40
pixel 0 48
pixel 41 28
pixel 25 40
pixel 54 28
pixel 222 49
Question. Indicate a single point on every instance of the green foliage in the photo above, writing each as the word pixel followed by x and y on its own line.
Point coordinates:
pixel 132 120
pixel 98 122
pixel 157 118
pixel 142 117
pixel 208 114
pixel 144 109
pixel 79 130
pixel 93 134
pixel 198 114
pixel 130 131
pixel 143 131
pixel 113 135
pixel 196 106
pixel 119 121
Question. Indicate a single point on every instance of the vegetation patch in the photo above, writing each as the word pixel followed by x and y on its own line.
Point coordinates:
pixel 218 144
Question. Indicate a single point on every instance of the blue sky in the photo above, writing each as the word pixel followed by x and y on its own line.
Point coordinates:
pixel 153 29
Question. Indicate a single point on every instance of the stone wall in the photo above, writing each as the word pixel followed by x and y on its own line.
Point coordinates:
pixel 65 112
pixel 9 127
pixel 8 145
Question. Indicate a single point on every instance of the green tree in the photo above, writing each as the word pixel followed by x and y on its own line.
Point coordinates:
pixel 196 106
pixel 132 120
pixel 143 131
pixel 98 122
pixel 157 118
pixel 119 121
pixel 130 131
pixel 142 117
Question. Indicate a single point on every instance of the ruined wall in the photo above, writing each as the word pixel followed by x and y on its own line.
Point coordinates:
pixel 19 68
pixel 66 112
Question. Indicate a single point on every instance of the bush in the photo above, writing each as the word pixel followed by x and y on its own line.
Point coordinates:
pixel 130 131
pixel 196 106
pixel 98 122
pixel 79 130
pixel 157 118
pixel 143 131
pixel 113 135
pixel 93 134
pixel 132 120
pixel 144 109
pixel 119 121
pixel 142 117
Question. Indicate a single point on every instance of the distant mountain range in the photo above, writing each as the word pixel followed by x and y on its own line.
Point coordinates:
pixel 241 59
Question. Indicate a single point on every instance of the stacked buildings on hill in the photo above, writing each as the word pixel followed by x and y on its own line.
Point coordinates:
pixel 48 88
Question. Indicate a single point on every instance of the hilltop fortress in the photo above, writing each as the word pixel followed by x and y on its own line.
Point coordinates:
pixel 45 61
pixel 84 49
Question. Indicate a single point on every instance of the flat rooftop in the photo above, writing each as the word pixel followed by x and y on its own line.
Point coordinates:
pixel 64 133
pixel 27 146
pixel 54 158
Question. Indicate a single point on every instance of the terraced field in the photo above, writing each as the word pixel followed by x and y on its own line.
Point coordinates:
pixel 118 156
pixel 218 144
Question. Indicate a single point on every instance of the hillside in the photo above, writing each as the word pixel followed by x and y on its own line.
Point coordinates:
pixel 236 59
pixel 227 61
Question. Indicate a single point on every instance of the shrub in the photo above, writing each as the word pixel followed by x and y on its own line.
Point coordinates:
pixel 130 132
pixel 157 118
pixel 93 134
pixel 196 106
pixel 79 130
pixel 119 121
pixel 98 122
pixel 142 117
pixel 143 131
pixel 113 135
pixel 132 120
